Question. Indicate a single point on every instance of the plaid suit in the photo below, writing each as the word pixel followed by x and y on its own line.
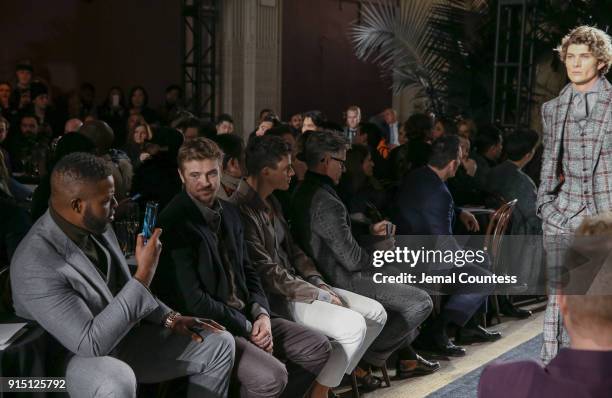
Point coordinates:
pixel 575 182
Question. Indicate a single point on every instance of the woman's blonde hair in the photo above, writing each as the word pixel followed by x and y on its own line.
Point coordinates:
pixel 597 40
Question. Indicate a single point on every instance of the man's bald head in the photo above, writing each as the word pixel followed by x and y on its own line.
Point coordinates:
pixel 72 126
pixel 82 191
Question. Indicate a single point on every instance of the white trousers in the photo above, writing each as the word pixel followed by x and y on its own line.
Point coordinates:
pixel 351 330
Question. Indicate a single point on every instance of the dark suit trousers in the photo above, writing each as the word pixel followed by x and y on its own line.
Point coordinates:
pixel 303 353
pixel 460 306
pixel 407 307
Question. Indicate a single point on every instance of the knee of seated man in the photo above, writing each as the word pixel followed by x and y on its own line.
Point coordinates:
pixel 223 342
pixel 379 314
pixel 110 377
pixel 353 327
pixel 272 379
pixel 422 304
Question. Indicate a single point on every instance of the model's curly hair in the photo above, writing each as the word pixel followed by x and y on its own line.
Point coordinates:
pixel 598 41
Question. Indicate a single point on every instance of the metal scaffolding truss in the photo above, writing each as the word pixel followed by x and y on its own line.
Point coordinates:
pixel 513 73
pixel 199 27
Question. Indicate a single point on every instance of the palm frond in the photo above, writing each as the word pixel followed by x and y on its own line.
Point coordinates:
pixel 422 43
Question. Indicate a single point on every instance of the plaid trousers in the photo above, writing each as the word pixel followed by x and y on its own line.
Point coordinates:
pixel 556 243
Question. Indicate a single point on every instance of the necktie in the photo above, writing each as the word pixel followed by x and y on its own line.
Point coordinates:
pixel 581 109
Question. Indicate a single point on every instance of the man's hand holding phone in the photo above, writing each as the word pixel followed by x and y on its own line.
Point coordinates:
pixel 147 257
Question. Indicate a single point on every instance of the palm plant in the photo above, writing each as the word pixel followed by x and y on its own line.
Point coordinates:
pixel 427 44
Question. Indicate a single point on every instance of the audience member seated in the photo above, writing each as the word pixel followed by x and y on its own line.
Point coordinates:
pixel 130 125
pixel 488 148
pixel 113 111
pixel 48 123
pixel 102 136
pixel 583 369
pixel 322 227
pixel 87 98
pixel 173 104
pixel 4 132
pixel 205 270
pixel 20 98
pixel 390 127
pixel 509 181
pixel 268 122
pixel 231 167
pixel 192 128
pixel 156 179
pixel 138 104
pixel 363 195
pixel 6 109
pixel 295 289
pixel 443 126
pixel 28 147
pixel 426 207
pixel 288 135
pixel 313 121
pixel 466 128
pixel 66 145
pixel 224 124
pixel 69 275
pixel 15 219
pixel 136 144
pixel 352 119
pixel 295 122
pixel 264 113
pixel 413 150
pixel 463 186
pixel 371 136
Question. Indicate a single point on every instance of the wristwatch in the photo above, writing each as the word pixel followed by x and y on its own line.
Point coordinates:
pixel 170 318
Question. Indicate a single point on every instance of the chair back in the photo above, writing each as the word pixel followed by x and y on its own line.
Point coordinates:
pixel 496 229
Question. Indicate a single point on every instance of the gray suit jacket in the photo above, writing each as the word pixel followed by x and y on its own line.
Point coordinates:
pixel 322 227
pixel 56 285
pixel 555 204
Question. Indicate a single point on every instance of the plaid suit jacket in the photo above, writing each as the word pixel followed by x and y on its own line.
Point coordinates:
pixel 553 208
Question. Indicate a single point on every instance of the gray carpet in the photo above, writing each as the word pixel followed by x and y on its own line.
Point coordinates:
pixel 467 385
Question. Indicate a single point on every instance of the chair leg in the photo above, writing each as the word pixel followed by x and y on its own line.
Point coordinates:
pixel 386 377
pixel 496 308
pixel 354 384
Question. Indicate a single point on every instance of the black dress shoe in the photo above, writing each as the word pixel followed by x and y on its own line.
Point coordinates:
pixel 477 334
pixel 442 348
pixel 514 312
pixel 415 367
pixel 368 382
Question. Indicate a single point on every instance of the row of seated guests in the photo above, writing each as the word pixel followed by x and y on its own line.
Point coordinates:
pixel 206 271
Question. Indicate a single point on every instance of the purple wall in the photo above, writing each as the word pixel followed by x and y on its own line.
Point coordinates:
pixel 108 42
pixel 319 68
pixel 105 42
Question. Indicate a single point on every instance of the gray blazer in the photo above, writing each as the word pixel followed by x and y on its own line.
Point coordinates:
pixel 559 194
pixel 322 227
pixel 56 285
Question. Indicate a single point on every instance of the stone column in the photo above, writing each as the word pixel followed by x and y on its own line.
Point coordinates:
pixel 250 62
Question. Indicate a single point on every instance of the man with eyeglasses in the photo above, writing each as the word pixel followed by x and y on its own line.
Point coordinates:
pixel 321 225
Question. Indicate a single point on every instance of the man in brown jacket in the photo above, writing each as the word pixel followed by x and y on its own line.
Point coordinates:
pixel 295 288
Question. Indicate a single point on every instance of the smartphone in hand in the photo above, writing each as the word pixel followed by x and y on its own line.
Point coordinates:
pixel 150 219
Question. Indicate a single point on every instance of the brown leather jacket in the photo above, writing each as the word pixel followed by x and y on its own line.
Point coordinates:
pixel 285 279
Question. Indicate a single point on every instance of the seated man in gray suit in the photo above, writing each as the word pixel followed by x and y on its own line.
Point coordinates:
pixel 70 276
pixel 322 227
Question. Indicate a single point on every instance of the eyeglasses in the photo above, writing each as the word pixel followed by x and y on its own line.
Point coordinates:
pixel 342 161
